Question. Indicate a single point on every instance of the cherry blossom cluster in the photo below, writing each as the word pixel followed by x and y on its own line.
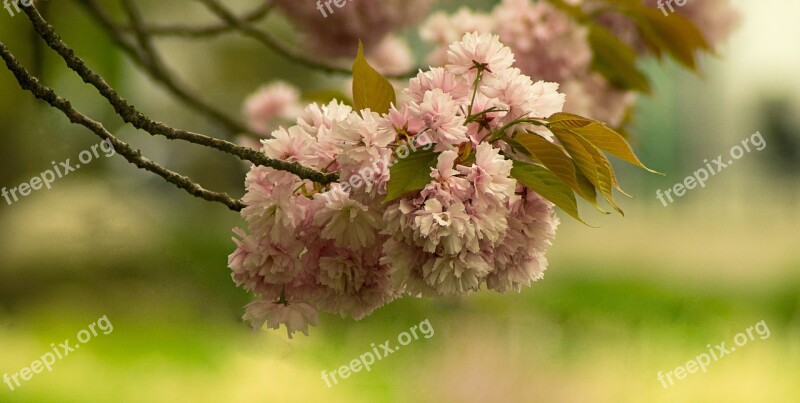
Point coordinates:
pixel 310 247
pixel 548 44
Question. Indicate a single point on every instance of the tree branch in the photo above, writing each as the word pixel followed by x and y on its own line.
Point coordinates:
pixel 268 40
pixel 158 72
pixel 276 46
pixel 32 84
pixel 205 31
pixel 131 115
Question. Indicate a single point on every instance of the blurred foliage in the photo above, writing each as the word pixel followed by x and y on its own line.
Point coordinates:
pixel 619 304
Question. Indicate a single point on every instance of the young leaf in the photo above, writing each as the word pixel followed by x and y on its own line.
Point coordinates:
pixel 548 185
pixel 410 174
pixel 590 161
pixel 676 35
pixel 569 120
pixel 600 135
pixel 371 90
pixel 555 158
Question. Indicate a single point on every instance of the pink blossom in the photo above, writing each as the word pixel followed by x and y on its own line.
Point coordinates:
pixel 271 103
pixel 438 78
pixel 520 258
pixel 479 49
pixel 391 56
pixel 338 248
pixel 292 145
pixel 441 115
pixel 295 316
pixel 349 223
pixel 548 44
pixel 441 30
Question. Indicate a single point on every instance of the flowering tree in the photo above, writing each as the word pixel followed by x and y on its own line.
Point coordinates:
pixel 437 189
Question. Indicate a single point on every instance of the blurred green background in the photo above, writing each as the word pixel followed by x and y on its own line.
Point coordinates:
pixel 638 295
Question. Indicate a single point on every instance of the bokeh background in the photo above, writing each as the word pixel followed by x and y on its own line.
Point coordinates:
pixel 619 303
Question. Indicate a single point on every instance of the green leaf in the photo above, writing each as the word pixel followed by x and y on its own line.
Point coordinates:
pixel 587 190
pixel 615 60
pixel 371 90
pixel 675 34
pixel 555 158
pixel 600 135
pixel 548 185
pixel 410 174
pixel 569 120
pixel 590 161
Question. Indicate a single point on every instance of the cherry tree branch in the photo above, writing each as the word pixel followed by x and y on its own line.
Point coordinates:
pixel 273 43
pixel 156 69
pixel 132 116
pixel 40 91
pixel 268 40
pixel 187 31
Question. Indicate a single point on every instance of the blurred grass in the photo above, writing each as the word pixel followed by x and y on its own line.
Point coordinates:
pixel 595 329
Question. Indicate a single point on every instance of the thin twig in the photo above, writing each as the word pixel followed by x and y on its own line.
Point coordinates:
pixel 207 30
pixel 160 74
pixel 268 40
pixel 32 84
pixel 276 46
pixel 131 115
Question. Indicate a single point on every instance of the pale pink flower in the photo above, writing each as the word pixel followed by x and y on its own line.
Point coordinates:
pixel 272 103
pixel 406 261
pixel 259 261
pixel 440 114
pixel 355 282
pixel 441 30
pixel 392 56
pixel 359 140
pixel 547 43
pixel 520 258
pixel 399 121
pixel 318 121
pixel 349 223
pixel 479 49
pixel 545 99
pixel 455 275
pixel 438 78
pixel 292 145
pixel 490 175
pixel 273 208
pixel 295 316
